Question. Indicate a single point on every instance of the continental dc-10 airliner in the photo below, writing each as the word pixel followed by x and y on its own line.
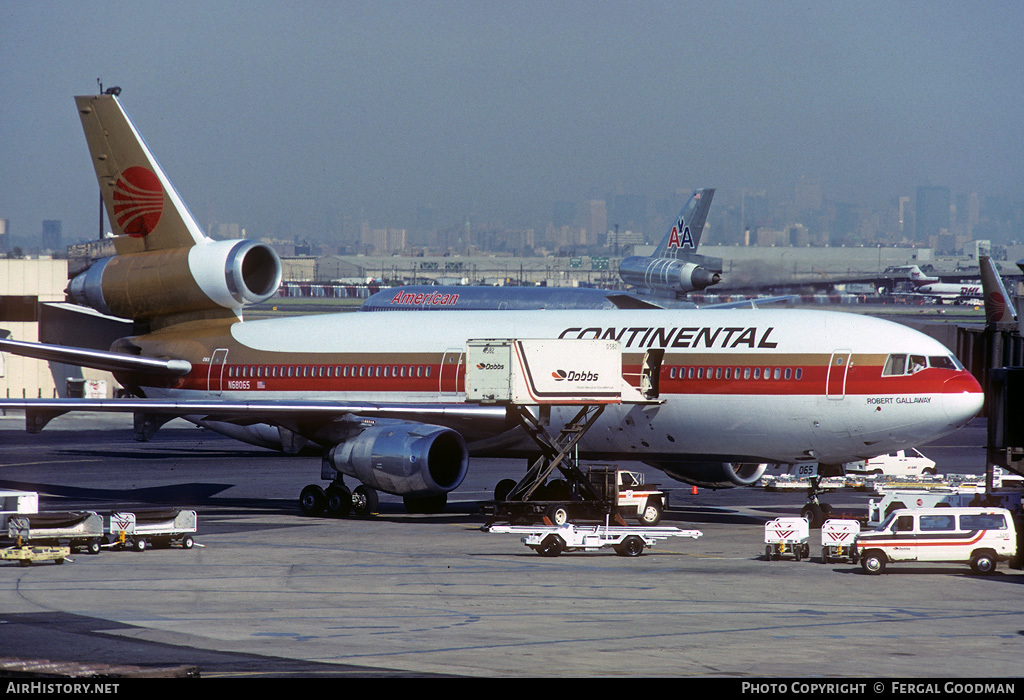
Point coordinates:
pixel 381 397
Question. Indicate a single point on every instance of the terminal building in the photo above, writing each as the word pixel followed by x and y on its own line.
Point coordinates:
pixel 31 293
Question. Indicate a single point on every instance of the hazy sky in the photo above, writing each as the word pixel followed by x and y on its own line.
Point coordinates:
pixel 263 112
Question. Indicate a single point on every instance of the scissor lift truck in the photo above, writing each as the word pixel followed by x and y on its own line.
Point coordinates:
pixel 73 529
pixel 838 538
pixel 532 378
pixel 550 541
pixel 159 528
pixel 786 536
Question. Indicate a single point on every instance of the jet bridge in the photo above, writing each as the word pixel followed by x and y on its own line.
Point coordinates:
pixel 531 376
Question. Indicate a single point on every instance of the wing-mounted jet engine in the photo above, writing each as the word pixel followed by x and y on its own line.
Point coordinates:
pixel 419 462
pixel 714 475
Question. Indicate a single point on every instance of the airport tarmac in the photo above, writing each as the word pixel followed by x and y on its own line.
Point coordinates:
pixel 269 592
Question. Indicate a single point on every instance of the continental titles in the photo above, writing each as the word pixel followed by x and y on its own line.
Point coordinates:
pixel 724 337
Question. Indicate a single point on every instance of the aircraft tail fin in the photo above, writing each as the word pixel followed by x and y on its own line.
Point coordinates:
pixel 682 239
pixel 998 306
pixel 145 211
pixel 165 270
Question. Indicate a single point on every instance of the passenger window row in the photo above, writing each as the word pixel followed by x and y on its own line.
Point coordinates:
pixel 328 371
pixel 741 373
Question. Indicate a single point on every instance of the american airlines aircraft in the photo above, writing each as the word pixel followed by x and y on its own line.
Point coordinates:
pixel 660 280
pixel 382 397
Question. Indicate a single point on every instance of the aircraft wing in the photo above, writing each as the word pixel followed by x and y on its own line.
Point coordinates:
pixel 38 412
pixel 96 359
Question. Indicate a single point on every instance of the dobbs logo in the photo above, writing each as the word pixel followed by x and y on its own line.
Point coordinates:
pixel 560 375
pixel 138 201
pixel 489 365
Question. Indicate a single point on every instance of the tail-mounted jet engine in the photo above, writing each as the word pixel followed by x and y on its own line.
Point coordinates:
pixel 204 277
pixel 417 461
pixel 666 275
pixel 715 475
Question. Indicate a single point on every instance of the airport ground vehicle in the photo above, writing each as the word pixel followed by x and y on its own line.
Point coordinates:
pixel 73 529
pixel 938 497
pixel 907 462
pixel 28 554
pixel 837 540
pixel 603 492
pixel 158 528
pixel 786 536
pixel 979 536
pixel 550 541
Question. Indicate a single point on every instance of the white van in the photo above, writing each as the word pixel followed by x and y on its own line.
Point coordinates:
pixel 899 463
pixel 980 536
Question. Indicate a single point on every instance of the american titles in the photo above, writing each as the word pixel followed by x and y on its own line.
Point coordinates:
pixel 726 337
pixel 434 299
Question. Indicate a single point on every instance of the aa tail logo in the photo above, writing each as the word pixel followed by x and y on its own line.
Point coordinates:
pixel 138 201
pixel 674 241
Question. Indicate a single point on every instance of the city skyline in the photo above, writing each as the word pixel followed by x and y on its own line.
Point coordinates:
pixel 283 118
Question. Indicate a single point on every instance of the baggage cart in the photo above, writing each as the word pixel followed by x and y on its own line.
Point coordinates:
pixel 786 536
pixel 838 540
pixel 158 528
pixel 73 529
pixel 550 541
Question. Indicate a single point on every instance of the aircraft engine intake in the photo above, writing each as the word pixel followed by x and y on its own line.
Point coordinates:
pixel 405 459
pixel 209 276
pixel 714 475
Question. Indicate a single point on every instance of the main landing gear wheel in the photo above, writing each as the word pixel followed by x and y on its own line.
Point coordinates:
pixel 339 501
pixel 503 489
pixel 364 501
pixel 313 501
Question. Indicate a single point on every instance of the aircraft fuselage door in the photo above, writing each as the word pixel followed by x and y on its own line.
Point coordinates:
pixel 835 381
pixel 450 377
pixel 215 372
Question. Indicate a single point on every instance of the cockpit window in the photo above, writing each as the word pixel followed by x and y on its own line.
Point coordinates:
pixel 895 366
pixel 944 362
pixel 899 364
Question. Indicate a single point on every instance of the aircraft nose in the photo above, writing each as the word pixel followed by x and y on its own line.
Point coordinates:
pixel 963 397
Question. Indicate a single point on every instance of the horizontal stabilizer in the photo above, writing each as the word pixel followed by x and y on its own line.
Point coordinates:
pixel 625 301
pixel 96 359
